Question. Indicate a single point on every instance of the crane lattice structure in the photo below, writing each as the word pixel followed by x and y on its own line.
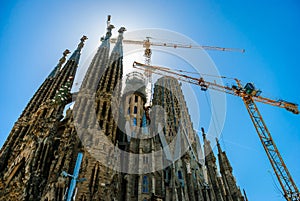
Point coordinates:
pixel 249 95
pixel 148 52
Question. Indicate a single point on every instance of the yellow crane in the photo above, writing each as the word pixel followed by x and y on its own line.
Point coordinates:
pixel 148 52
pixel 249 95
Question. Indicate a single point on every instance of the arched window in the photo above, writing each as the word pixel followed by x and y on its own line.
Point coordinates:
pixel 180 178
pixel 136 98
pixel 103 109
pixel 136 186
pixel 135 109
pixel 128 111
pixel 145 188
pixel 180 175
pixel 134 121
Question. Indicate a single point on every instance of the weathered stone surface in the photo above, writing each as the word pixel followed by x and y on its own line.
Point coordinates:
pixel 43 143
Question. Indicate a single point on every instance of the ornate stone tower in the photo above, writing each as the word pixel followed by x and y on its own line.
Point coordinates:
pixel 184 177
pixel 32 143
pixel 157 149
pixel 232 191
pixel 216 190
pixel 95 119
pixel 141 182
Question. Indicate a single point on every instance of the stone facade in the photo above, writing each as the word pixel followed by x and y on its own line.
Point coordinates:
pixel 157 150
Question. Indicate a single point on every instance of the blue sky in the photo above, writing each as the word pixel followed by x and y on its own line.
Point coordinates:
pixel 33 35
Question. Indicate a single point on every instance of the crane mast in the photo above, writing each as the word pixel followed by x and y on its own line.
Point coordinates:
pixel 249 95
pixel 285 179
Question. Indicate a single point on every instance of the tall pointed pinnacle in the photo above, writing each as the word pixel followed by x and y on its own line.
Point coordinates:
pixel 76 55
pixel 207 148
pixel 203 133
pixel 105 39
pixel 229 181
pixel 99 62
pixel 210 162
pixel 219 146
pixel 59 65
pixel 223 159
pixel 118 47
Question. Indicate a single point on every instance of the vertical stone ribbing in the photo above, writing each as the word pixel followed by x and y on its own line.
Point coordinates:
pixel 44 89
pixel 168 94
pixel 232 191
pixel 180 136
pixel 210 163
pixel 86 96
pixel 109 90
pixel 32 139
pixel 144 146
pixel 42 145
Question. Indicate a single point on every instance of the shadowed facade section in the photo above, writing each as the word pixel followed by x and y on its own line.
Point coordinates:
pixel 162 157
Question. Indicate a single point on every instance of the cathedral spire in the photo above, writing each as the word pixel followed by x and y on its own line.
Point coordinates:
pixel 110 84
pixel 118 47
pixel 233 191
pixel 223 159
pixel 105 39
pixel 210 162
pixel 59 65
pixel 64 79
pixel 76 55
pixel 207 148
pixel 99 62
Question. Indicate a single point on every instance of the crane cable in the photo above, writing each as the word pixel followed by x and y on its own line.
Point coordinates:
pixel 216 122
pixel 274 184
pixel 211 111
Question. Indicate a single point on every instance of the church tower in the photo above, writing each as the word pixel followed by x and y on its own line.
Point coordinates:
pixel 130 152
pixel 232 190
pixel 216 190
pixel 142 182
pixel 182 176
pixel 31 143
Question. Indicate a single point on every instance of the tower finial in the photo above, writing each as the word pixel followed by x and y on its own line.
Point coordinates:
pixel 62 60
pixel 122 29
pixel 105 39
pixel 108 33
pixel 218 145
pixel 75 56
pixel 108 20
pixel 109 27
pixel 81 44
pixel 203 133
pixel 118 47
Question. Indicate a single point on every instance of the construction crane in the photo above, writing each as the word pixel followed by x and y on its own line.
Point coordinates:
pixel 249 95
pixel 148 52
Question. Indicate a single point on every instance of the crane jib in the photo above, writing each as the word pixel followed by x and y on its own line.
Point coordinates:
pixel 249 94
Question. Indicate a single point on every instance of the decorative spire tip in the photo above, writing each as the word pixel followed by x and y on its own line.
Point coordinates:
pixel 110 27
pixel 81 44
pixel 108 20
pixel 83 38
pixel 203 133
pixel 122 29
pixel 63 59
pixel 66 52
